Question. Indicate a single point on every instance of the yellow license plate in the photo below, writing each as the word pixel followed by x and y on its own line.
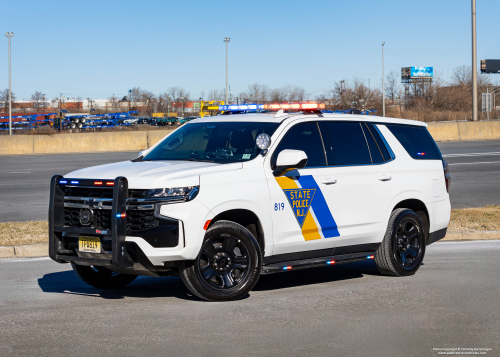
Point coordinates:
pixel 89 244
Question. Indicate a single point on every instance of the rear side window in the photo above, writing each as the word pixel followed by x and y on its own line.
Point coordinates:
pixel 348 143
pixel 417 141
pixel 304 137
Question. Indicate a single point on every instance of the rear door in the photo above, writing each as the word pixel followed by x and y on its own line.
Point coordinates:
pixel 304 218
pixel 365 173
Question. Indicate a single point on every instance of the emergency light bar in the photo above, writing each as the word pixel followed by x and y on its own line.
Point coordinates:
pixel 232 107
pixel 297 106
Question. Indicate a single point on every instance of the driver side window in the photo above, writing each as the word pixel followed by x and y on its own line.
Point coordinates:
pixel 305 137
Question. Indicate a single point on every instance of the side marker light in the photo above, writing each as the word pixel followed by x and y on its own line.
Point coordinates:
pixel 330 262
pixel 207 223
pixel 370 257
pixel 287 268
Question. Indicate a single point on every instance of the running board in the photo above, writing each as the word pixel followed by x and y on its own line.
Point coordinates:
pixel 317 262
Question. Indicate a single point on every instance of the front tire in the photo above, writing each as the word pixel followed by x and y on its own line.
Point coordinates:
pixel 228 265
pixel 403 248
pixel 101 277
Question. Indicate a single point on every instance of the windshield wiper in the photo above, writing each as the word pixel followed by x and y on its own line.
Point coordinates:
pixel 201 160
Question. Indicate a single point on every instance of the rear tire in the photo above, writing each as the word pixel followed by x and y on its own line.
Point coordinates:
pixel 403 248
pixel 102 278
pixel 228 265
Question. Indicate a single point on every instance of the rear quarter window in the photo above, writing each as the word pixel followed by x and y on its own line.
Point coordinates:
pixel 417 141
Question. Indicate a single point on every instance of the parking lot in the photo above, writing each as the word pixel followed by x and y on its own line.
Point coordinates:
pixel 349 310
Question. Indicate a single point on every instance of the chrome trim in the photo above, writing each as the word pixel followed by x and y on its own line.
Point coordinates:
pixel 95 199
pixel 130 208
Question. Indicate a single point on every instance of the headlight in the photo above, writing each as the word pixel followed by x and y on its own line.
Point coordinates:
pixel 186 193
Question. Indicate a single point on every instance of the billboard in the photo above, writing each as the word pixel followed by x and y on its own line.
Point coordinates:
pixel 422 72
pixel 490 66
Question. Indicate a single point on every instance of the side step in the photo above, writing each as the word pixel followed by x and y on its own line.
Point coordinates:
pixel 317 262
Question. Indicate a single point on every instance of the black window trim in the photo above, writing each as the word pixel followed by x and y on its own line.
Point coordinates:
pixel 274 157
pixel 381 136
pixel 375 140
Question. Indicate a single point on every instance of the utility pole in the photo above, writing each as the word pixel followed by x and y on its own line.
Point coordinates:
pixel 226 40
pixel 342 93
pixel 474 63
pixel 9 36
pixel 383 82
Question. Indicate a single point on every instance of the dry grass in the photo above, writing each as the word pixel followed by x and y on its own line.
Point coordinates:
pixel 18 233
pixel 475 219
pixel 465 220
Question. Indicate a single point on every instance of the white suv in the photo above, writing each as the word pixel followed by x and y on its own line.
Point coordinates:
pixel 224 199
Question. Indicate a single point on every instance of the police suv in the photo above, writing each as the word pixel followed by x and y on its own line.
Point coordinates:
pixel 222 200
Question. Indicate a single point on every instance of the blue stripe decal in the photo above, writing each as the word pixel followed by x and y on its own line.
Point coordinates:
pixel 320 208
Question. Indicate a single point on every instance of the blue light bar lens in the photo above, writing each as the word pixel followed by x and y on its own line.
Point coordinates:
pixel 63 182
pixel 74 182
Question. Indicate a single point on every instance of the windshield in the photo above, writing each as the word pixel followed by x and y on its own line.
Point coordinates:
pixel 221 142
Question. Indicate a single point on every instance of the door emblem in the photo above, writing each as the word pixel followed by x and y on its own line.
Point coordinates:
pixel 300 200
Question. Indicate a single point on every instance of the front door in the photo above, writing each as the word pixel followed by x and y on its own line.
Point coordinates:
pixel 304 211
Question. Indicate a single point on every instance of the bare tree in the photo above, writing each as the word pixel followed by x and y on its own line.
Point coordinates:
pixel 4 98
pixel 38 100
pixel 392 85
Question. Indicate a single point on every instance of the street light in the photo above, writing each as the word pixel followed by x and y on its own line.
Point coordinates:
pixel 226 40
pixel 182 99
pixel 383 82
pixel 474 63
pixel 9 36
pixel 341 93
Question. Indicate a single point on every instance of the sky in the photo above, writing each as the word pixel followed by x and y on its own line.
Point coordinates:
pixel 100 48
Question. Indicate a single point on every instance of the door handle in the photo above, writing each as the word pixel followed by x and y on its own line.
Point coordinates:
pixel 384 178
pixel 329 181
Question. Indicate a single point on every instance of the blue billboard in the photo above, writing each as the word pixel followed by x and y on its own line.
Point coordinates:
pixel 419 72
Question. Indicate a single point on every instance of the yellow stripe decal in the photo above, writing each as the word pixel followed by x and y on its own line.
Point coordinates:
pixel 309 228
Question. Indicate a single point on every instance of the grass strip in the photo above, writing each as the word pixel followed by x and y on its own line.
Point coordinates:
pixel 462 220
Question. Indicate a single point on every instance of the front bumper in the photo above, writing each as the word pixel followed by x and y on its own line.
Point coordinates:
pixel 137 252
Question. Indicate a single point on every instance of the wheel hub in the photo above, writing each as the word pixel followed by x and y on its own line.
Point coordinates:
pixel 403 243
pixel 221 262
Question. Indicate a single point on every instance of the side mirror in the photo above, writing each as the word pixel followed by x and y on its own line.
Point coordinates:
pixel 290 160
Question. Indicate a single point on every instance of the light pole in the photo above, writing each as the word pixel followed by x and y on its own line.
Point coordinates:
pixel 226 40
pixel 474 63
pixel 182 99
pixel 341 93
pixel 9 36
pixel 383 81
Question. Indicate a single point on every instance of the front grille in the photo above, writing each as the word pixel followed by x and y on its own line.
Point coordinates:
pixel 99 200
pixel 93 192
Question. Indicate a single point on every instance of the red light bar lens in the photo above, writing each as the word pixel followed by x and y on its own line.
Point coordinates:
pixel 310 106
pixel 123 215
pixel 110 183
pixel 322 106
pixel 274 106
pixel 98 183
pixel 295 106
pixel 285 106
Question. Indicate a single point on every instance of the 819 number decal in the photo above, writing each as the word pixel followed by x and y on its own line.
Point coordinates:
pixel 279 206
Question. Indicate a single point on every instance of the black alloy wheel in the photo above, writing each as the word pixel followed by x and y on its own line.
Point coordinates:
pixel 223 262
pixel 408 243
pixel 228 265
pixel 403 248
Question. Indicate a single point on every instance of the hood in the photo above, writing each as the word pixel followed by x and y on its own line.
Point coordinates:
pixel 154 174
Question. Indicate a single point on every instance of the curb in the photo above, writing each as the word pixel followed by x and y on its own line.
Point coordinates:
pixel 25 251
pixel 42 250
pixel 458 236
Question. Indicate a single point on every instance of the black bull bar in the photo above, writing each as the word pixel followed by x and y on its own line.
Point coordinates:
pixel 120 257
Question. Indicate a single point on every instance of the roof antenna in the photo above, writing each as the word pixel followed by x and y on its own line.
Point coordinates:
pixel 280 113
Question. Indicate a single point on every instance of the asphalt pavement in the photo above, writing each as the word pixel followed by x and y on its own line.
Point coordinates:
pixel 24 180
pixel 345 310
